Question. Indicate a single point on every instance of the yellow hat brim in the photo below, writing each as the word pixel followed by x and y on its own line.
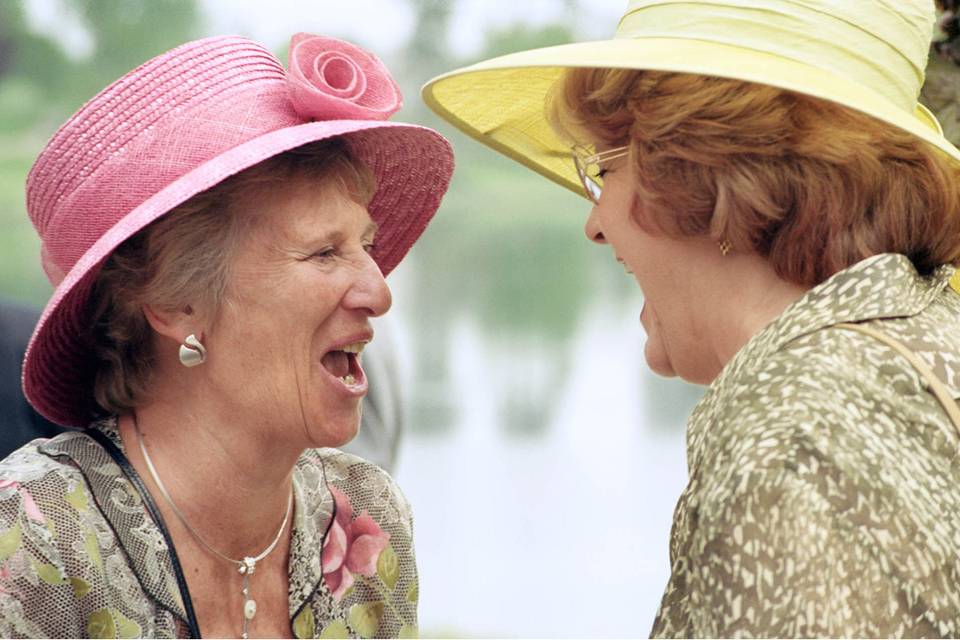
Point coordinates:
pixel 502 102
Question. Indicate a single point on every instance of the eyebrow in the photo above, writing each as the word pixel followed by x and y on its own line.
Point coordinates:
pixel 336 237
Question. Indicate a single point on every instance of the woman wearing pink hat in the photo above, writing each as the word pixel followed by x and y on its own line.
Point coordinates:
pixel 218 230
pixel 764 171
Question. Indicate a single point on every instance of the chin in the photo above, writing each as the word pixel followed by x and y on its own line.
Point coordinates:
pixel 664 371
pixel 334 432
pixel 702 378
pixel 658 362
pixel 697 372
pixel 689 367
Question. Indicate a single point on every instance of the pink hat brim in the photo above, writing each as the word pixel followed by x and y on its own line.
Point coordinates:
pixel 412 164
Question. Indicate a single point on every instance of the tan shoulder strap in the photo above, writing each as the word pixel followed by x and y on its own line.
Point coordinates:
pixel 936 386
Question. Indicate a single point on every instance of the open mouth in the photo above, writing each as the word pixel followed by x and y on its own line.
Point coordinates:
pixel 344 364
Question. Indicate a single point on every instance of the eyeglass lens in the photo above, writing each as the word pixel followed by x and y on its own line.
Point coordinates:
pixel 589 178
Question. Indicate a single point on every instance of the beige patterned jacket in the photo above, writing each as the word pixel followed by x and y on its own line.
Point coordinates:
pixel 824 479
pixel 81 557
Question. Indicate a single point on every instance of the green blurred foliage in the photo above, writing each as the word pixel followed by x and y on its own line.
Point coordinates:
pixel 520 37
pixel 509 251
pixel 49 85
pixel 427 52
pixel 40 85
pixel 32 69
pixel 128 32
pixel 941 93
pixel 20 275
pixel 507 245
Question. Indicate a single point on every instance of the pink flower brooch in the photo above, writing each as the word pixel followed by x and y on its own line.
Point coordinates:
pixel 352 547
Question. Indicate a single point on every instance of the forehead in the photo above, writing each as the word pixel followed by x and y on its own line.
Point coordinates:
pixel 304 206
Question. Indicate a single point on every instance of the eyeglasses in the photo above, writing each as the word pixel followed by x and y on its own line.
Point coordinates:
pixel 589 167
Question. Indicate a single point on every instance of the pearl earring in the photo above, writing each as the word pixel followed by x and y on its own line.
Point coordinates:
pixel 192 352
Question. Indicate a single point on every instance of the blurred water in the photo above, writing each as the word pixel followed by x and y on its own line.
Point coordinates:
pixel 559 533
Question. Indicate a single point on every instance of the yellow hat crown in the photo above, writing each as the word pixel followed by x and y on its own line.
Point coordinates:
pixel 881 44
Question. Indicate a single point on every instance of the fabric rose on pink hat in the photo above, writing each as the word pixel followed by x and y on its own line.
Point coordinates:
pixel 352 546
pixel 330 79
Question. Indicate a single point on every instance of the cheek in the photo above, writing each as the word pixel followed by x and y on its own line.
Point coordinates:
pixel 640 250
pixel 267 333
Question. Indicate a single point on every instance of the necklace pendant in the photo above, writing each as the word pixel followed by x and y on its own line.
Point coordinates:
pixel 249 609
pixel 248 566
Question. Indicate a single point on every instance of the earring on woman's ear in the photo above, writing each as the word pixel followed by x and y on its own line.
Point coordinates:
pixel 192 352
pixel 725 247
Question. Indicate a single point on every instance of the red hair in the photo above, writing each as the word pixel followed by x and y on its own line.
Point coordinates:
pixel 811 186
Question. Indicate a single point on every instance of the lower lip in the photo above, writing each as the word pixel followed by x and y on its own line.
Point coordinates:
pixel 356 390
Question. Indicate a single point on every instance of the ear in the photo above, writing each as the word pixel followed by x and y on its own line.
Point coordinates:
pixel 173 324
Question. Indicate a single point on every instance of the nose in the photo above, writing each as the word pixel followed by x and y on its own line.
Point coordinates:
pixel 592 228
pixel 370 292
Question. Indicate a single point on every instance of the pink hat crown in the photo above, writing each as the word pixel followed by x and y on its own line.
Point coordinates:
pixel 76 170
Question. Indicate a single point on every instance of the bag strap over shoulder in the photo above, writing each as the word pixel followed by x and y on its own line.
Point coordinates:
pixel 936 386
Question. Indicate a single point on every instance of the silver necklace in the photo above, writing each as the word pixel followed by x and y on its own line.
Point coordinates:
pixel 246 566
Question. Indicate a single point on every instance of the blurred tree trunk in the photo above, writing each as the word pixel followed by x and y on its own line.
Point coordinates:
pixel 428 52
pixel 941 93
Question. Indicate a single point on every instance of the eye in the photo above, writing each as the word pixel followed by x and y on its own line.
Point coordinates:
pixel 324 254
pixel 602 173
pixel 369 247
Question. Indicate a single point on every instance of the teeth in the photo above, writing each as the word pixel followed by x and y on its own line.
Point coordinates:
pixel 349 379
pixel 356 347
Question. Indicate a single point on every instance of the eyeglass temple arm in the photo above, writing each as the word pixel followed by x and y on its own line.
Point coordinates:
pixel 610 154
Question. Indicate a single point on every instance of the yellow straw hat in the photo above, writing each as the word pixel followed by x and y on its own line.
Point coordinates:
pixel 868 55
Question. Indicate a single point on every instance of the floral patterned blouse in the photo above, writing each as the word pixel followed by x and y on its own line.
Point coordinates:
pixel 824 479
pixel 81 557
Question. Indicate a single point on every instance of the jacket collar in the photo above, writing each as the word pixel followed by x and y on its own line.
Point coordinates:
pixel 883 286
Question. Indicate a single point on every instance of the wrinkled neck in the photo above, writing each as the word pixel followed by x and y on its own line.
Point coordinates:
pixel 232 490
pixel 745 295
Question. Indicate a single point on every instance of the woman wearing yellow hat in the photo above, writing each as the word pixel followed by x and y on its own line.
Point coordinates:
pixel 792 215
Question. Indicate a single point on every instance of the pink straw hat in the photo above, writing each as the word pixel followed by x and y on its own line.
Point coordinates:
pixel 178 125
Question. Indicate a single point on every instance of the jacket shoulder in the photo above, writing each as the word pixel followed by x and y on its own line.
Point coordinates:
pixel 367 485
pixel 48 535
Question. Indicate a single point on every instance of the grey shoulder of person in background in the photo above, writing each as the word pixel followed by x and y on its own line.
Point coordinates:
pixel 381 427
pixel 19 422
pixel 384 412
